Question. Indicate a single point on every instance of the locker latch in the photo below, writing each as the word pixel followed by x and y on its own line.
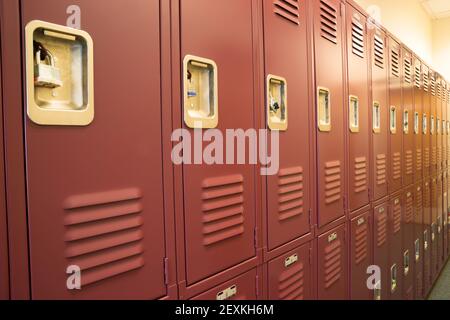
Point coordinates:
pixel 376 125
pixel 406 122
pixel 433 232
pixel 432 125
pixel 424 124
pixel 406 262
pixel 416 123
pixel 227 293
pixel 393 120
pixel 354 114
pixel 277 113
pixel 425 240
pixel 290 260
pixel 200 92
pixel 393 278
pixel 377 291
pixel 323 109
pixel 417 250
pixel 439 227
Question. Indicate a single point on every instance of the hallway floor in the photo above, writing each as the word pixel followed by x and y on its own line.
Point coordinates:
pixel 441 290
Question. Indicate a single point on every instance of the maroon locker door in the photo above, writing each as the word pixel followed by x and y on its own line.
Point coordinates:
pixel 360 256
pixel 417 120
pixel 332 265
pixel 395 247
pixel 439 128
pixel 395 117
pixel 94 192
pixel 219 200
pixel 380 114
pixel 243 287
pixel 358 110
pixel 448 212
pixel 407 118
pixel 286 56
pixel 426 237
pixel 433 116
pixel 381 248
pixel 433 228
pixel 328 40
pixel 418 240
pixel 444 124
pixel 444 219
pixel 289 276
pixel 426 120
pixel 408 243
pixel 439 225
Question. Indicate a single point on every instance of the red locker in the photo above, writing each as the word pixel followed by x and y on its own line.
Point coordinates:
pixel 290 275
pixel 433 228
pixel 444 124
pixel 407 117
pixel 433 116
pixel 380 114
pixel 395 116
pixel 439 128
pixel 219 200
pixel 243 287
pixel 418 118
pixel 93 206
pixel 408 243
pixel 381 247
pixel 395 247
pixel 439 225
pixel 358 110
pixel 418 240
pixel 286 56
pixel 330 114
pixel 444 219
pixel 426 122
pixel 360 256
pixel 426 237
pixel 332 265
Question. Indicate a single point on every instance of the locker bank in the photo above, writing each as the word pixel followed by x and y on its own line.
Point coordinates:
pixel 94 207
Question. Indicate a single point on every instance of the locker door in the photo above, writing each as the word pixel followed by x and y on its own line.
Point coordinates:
pixel 447 212
pixel 290 275
pixel 439 224
pixel 426 237
pixel 332 267
pixel 444 124
pixel 94 192
pixel 417 120
pixel 395 116
pixel 407 118
pixel 219 200
pixel 395 247
pixel 426 120
pixel 328 40
pixel 444 219
pixel 433 117
pixel 439 128
pixel 408 249
pixel 418 255
pixel 433 227
pixel 381 249
pixel 360 256
pixel 286 56
pixel 380 114
pixel 358 110
pixel 242 287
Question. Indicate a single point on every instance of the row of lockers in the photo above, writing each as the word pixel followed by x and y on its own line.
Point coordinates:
pixel 362 121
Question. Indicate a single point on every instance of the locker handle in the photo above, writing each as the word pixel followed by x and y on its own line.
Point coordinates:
pixel 377 293
pixel 393 278
pixel 432 125
pixel 227 293
pixel 324 109
pixel 200 86
pixel 425 240
pixel 277 112
pixel 376 125
pixel 416 123
pixel 406 262
pixel 438 126
pixel 417 249
pixel 354 113
pixel 424 124
pixel 443 128
pixel 393 120
pixel 433 232
pixel 406 122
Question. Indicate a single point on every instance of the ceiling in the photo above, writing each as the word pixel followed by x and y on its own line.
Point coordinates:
pixel 437 9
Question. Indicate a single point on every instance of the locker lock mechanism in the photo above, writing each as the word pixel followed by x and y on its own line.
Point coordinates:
pixel 46 74
pixel 277 103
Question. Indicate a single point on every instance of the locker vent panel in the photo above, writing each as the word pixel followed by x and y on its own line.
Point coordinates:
pixel 427 157
pixel 433 85
pixel 290 193
pixel 438 91
pixel 382 228
pixel 417 76
pixel 328 21
pixel 333 263
pixel 409 210
pixel 360 183
pixel 395 64
pixel 433 156
pixel 361 243
pixel 381 169
pixel 223 210
pixel 332 182
pixel 287 9
pixel 397 217
pixel 358 39
pixel 426 82
pixel 104 234
pixel 396 166
pixel 408 71
pixel 409 162
pixel 291 283
pixel 418 160
pixel 418 205
pixel 379 51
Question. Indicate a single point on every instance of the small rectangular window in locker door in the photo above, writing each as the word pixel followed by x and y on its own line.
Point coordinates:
pixel 324 109
pixel 376 114
pixel 393 120
pixel 354 114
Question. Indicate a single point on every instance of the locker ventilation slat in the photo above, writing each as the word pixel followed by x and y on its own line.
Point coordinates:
pixel 290 193
pixel 332 182
pixel 438 87
pixel 223 210
pixel 418 160
pixel 425 81
pixel 397 217
pixel 361 243
pixel 433 85
pixel 408 71
pixel 381 169
pixel 396 166
pixel 417 76
pixel 333 263
pixel 395 63
pixel 379 51
pixel 287 9
pixel 433 156
pixel 409 209
pixel 426 158
pixel 291 283
pixel 382 228
pixel 419 204
pixel 103 233
pixel 328 21
pixel 409 162
pixel 358 44
pixel 360 183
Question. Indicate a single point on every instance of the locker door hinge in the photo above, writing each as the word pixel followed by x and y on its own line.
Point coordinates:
pixel 166 271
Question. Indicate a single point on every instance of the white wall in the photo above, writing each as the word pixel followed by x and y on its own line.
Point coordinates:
pixel 441 47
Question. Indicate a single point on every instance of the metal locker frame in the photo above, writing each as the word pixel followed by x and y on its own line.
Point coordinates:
pixel 433 117
pixel 439 129
pixel 426 118
pixel 418 116
pixel 407 117
pixel 408 246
